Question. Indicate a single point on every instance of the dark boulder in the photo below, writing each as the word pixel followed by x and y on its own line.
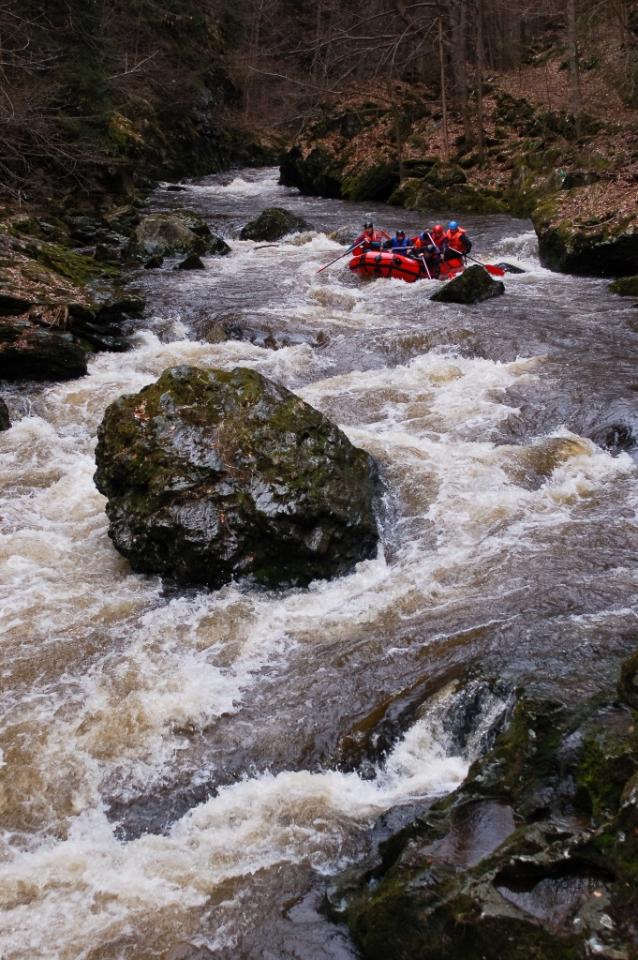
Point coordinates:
pixel 191 263
pixel 5 422
pixel 273 224
pixel 474 285
pixel 510 267
pixel 29 352
pixel 535 855
pixel 213 475
pixel 154 263
pixel 180 232
pixel 606 247
pixel 314 171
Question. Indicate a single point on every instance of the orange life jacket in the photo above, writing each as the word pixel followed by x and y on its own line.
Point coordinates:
pixel 457 239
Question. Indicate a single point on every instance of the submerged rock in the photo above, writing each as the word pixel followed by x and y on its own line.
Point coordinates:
pixel 474 285
pixel 213 475
pixel 273 223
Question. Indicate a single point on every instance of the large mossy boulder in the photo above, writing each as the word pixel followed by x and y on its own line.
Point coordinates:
pixel 170 234
pixel 474 285
pixel 212 476
pixel 600 247
pixel 535 855
pixel 272 224
pixel 625 287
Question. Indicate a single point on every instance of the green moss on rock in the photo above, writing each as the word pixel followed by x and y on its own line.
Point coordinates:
pixel 625 287
pixel 213 475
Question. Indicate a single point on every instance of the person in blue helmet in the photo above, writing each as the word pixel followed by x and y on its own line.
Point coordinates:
pixel 398 242
pixel 457 239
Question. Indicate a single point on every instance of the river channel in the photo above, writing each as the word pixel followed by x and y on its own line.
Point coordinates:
pixel 181 771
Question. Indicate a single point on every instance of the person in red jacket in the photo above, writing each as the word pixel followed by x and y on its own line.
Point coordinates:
pixel 370 239
pixel 457 238
pixel 437 237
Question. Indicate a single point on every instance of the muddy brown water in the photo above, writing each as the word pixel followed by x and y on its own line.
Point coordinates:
pixel 181 771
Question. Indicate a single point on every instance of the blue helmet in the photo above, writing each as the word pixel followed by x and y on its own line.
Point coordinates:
pixel 424 236
pixel 453 225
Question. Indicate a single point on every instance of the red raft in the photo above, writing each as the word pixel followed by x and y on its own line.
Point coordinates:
pixel 388 263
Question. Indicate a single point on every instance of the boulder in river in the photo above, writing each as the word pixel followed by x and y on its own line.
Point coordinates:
pixel 272 224
pixel 5 421
pixel 625 287
pixel 180 232
pixel 474 285
pixel 599 247
pixel 30 352
pixel 213 475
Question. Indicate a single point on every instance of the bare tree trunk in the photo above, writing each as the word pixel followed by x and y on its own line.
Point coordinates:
pixel 574 73
pixel 479 79
pixel 462 68
pixel 446 142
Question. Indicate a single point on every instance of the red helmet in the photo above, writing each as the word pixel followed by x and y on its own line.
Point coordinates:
pixel 437 228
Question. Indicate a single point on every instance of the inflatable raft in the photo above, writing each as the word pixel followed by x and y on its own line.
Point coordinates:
pixel 388 263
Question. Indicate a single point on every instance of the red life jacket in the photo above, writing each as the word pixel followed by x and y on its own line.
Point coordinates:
pixel 438 239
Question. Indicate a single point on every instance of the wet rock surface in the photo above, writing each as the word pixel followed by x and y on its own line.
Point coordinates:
pixel 273 223
pixel 212 476
pixel 474 285
pixel 594 248
pixel 180 232
pixel 625 287
pixel 535 855
pixel 29 352
pixel 5 421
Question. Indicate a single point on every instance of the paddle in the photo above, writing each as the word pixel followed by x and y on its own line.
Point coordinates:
pixel 340 257
pixel 426 266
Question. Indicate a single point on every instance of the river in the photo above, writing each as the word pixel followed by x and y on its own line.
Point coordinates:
pixel 182 770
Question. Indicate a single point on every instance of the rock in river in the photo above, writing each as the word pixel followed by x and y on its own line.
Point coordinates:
pixel 473 286
pixel 179 232
pixel 273 223
pixel 213 475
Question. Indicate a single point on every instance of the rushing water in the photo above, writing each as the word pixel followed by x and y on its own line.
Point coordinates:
pixel 180 770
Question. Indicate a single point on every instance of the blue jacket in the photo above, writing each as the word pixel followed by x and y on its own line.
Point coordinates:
pixel 396 244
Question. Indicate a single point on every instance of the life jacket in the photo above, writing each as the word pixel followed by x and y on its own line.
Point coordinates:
pixel 458 240
pixel 368 241
pixel 399 244
pixel 438 239
pixel 420 244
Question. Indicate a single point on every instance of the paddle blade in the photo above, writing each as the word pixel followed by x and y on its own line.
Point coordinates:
pixel 495 271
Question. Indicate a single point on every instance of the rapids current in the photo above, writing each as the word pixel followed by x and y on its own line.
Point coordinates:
pixel 180 770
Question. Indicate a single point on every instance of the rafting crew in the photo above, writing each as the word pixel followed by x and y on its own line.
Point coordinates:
pixel 431 247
